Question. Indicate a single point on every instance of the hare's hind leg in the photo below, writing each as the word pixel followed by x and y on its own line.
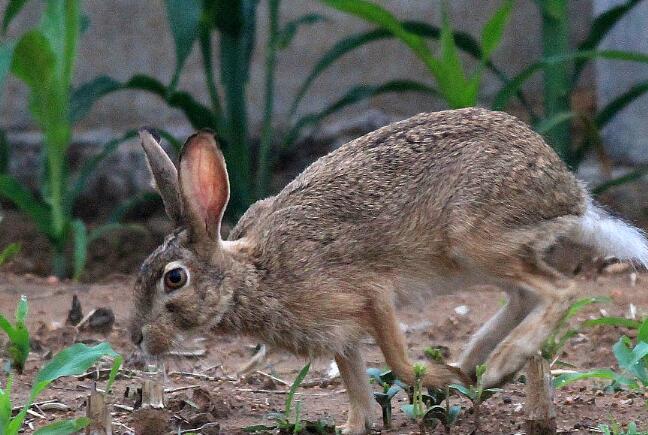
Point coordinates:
pixel 554 296
pixel 520 303
pixel 390 338
pixel 354 374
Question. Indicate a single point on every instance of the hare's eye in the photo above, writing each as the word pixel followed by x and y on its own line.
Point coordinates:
pixel 175 278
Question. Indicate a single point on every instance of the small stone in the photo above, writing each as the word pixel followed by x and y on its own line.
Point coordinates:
pixel 462 310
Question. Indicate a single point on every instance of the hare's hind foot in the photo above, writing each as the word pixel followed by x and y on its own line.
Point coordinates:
pixel 553 300
pixel 354 374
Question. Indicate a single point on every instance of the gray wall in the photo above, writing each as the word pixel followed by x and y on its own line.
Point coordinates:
pixel 626 136
pixel 127 37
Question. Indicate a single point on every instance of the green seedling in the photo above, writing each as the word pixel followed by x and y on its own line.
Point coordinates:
pixel 71 361
pixel 428 409
pixel 18 346
pixel 289 420
pixel 616 429
pixel 477 393
pixel 390 387
pixel 554 344
pixel 434 353
pixel 632 359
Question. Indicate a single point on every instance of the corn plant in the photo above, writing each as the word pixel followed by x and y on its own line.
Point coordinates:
pixel 71 361
pixel 476 393
pixel 197 21
pixel 562 67
pixel 44 59
pixel 18 346
pixel 456 87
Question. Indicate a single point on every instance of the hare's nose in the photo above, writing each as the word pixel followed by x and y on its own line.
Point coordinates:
pixel 137 337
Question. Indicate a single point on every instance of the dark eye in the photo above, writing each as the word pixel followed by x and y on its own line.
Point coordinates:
pixel 175 278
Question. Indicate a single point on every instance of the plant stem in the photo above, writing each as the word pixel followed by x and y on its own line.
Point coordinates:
pixel 236 51
pixel 59 263
pixel 264 167
pixel 555 42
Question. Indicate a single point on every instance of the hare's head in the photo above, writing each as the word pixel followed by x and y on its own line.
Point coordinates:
pixel 186 284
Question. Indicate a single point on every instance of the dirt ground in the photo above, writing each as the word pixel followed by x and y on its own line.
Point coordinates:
pixel 237 402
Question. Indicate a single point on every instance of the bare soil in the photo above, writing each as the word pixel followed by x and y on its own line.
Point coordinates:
pixel 215 394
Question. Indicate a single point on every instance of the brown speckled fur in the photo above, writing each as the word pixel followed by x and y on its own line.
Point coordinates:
pixel 434 203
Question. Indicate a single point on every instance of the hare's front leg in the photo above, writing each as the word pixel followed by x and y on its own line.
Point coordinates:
pixel 354 374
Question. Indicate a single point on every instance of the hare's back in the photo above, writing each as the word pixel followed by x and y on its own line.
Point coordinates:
pixel 488 159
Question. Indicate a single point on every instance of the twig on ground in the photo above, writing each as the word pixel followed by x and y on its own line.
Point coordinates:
pixel 274 378
pixel 176 389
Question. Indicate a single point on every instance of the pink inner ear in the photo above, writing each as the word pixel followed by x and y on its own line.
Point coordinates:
pixel 208 185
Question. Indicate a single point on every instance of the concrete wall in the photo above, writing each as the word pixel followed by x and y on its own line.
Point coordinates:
pixel 626 136
pixel 127 37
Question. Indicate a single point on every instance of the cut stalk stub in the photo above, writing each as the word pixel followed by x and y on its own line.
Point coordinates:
pixel 97 411
pixel 540 409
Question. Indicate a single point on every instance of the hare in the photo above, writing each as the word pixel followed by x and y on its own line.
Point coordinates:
pixel 429 205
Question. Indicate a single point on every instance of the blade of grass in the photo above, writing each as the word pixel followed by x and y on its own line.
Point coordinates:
pixel 618 181
pixel 80 247
pixel 293 389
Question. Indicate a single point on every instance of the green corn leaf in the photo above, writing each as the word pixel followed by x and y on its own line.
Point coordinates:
pixel 548 124
pixel 87 94
pixel 34 60
pixel 104 229
pixel 642 335
pixel 293 388
pixel 568 378
pixel 11 11
pixel 598 30
pixel 353 96
pixel 117 363
pixel 71 361
pixel 624 179
pixel 452 70
pixel 84 97
pixel 494 29
pixel 64 427
pixel 4 152
pixel 12 190
pixel 584 302
pixel 184 20
pixel 6 59
pixel 377 15
pixel 374 373
pixel 290 29
pixel 9 252
pixel 619 103
pixel 80 247
pixel 515 84
pixel 613 321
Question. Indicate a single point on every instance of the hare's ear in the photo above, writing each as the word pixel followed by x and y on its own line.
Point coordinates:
pixel 164 174
pixel 203 185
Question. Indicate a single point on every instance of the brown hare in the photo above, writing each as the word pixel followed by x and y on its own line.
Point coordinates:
pixel 429 205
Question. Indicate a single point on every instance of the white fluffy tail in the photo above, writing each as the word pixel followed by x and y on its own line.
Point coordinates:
pixel 611 236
